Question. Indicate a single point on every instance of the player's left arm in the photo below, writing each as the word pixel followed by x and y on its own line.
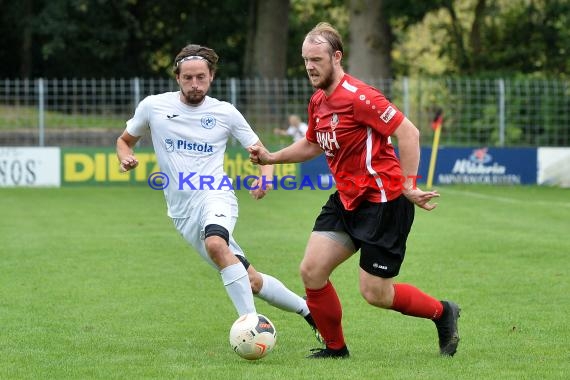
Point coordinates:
pixel 408 137
pixel 264 184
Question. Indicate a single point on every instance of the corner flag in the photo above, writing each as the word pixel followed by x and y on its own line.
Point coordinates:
pixel 436 125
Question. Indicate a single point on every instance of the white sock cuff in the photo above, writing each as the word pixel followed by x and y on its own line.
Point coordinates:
pixel 265 285
pixel 277 294
pixel 233 273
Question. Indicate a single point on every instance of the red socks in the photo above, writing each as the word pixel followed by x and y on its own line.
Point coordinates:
pixel 327 313
pixel 409 300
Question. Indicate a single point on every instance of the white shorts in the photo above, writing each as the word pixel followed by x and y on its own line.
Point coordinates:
pixel 217 207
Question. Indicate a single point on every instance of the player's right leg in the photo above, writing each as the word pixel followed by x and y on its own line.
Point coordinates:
pixel 217 218
pixel 233 273
pixel 274 292
pixel 325 251
pixel 219 256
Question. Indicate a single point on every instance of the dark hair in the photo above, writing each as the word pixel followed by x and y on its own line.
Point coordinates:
pixel 191 51
pixel 326 32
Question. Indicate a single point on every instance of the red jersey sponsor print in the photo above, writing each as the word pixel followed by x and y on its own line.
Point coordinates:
pixel 353 127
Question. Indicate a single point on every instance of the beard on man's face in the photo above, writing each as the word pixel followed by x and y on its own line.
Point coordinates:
pixel 193 97
pixel 323 81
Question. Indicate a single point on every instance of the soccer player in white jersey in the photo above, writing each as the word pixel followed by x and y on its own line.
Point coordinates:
pixel 189 131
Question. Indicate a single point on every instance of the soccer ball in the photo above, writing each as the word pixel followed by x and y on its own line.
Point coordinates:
pixel 253 336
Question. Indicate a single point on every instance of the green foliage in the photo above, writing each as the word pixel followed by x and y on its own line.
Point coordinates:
pixel 126 38
pixel 515 37
pixel 529 37
pixel 129 38
pixel 410 12
pixel 304 15
pixel 97 284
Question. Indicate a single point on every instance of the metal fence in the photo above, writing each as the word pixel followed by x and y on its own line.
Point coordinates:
pixel 480 112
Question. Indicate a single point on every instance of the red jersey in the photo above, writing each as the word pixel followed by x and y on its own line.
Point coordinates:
pixel 353 127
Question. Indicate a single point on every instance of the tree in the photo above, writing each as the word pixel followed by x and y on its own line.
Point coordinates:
pixel 477 37
pixel 262 38
pixel 305 14
pixel 269 30
pixel 370 40
pixel 16 28
pixel 529 37
pixel 372 36
pixel 116 38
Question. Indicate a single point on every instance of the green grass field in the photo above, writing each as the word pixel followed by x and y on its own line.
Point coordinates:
pixel 95 283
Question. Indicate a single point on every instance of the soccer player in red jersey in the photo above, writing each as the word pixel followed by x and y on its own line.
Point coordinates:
pixel 373 207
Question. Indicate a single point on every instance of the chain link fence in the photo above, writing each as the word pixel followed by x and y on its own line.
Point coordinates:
pixel 477 112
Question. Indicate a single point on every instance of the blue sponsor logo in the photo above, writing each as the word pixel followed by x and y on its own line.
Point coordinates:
pixel 199 147
pixel 171 145
pixel 208 122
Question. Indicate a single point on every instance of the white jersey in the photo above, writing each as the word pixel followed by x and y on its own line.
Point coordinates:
pixel 190 143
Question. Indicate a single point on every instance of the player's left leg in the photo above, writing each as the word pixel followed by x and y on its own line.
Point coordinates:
pixel 380 261
pixel 404 298
pixel 409 300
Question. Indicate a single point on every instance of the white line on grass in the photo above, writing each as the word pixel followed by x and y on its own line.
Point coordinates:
pixel 506 199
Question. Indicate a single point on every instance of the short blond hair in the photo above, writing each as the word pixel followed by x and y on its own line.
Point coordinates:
pixel 325 32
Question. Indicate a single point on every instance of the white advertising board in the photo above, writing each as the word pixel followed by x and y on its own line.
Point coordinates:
pixel 30 167
pixel 554 166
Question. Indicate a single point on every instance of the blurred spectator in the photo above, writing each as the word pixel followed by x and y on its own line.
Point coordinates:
pixel 296 129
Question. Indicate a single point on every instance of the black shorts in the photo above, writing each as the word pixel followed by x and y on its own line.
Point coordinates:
pixel 379 230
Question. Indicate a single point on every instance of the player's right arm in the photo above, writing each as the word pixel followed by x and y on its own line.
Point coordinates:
pixel 125 153
pixel 300 151
pixel 136 127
